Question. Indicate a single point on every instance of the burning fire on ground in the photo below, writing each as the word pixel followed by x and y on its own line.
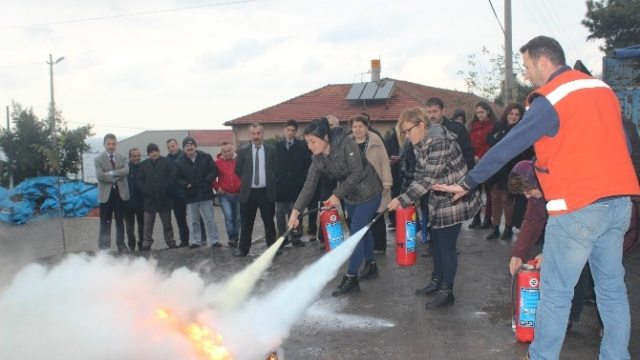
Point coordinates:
pixel 207 342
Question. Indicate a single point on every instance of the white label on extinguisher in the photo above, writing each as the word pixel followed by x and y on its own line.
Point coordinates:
pixel 410 236
pixel 334 232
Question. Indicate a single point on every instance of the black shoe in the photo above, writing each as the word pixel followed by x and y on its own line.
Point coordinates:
pixel 495 234
pixel 145 248
pixel 172 246
pixel 432 286
pixel 427 251
pixel 132 247
pixel 486 224
pixel 475 224
pixel 193 246
pixel 183 244
pixel 239 253
pixel 216 245
pixel 297 243
pixel 444 297
pixel 347 285
pixel 232 243
pixel 369 271
pixel 507 234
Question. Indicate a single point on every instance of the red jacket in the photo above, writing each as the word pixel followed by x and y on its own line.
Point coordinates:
pixel 227 178
pixel 478 133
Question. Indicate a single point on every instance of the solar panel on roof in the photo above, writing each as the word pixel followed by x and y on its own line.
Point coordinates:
pixel 369 91
pixel 356 90
pixel 375 90
pixel 384 89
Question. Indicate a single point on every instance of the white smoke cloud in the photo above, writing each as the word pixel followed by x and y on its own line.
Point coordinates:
pixel 103 307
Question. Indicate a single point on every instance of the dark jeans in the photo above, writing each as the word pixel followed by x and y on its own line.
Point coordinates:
pixel 445 256
pixel 180 213
pixel 379 232
pixel 130 217
pixel 312 218
pixel 257 200
pixel 167 228
pixel 113 208
pixel 519 208
pixel 360 215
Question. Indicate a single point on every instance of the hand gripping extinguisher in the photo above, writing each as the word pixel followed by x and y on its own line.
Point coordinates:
pixel 406 235
pixel 525 294
pixel 331 227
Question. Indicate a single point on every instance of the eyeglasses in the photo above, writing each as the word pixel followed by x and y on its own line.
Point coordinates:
pixel 407 131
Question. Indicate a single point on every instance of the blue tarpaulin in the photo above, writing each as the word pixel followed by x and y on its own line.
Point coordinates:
pixel 42 196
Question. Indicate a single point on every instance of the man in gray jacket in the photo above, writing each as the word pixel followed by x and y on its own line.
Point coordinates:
pixel 113 192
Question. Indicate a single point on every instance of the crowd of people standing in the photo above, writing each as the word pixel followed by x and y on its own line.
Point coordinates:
pixel 441 165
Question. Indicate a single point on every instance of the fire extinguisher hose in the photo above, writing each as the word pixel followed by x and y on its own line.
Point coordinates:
pixel 309 211
pixel 370 224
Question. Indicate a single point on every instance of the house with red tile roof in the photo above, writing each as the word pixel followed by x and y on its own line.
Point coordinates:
pixel 332 99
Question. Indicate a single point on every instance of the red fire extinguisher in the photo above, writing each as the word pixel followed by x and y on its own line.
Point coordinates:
pixel 525 298
pixel 331 227
pixel 406 235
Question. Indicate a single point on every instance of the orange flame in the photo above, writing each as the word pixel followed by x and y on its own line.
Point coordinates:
pixel 206 341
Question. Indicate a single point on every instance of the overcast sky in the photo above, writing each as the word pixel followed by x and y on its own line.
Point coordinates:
pixel 139 65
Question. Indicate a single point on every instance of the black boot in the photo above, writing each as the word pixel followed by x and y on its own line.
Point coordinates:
pixel 369 271
pixel 486 224
pixel 348 284
pixel 475 224
pixel 508 233
pixel 432 286
pixel 444 297
pixel 495 234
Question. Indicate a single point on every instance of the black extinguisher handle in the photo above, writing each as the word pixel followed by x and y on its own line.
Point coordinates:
pixel 309 211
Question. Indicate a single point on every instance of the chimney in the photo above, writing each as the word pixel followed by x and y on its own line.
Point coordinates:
pixel 375 70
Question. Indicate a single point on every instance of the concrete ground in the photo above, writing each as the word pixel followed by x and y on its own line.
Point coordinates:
pixel 385 320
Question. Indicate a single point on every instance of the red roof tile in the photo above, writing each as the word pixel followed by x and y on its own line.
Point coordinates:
pixel 331 99
pixel 211 137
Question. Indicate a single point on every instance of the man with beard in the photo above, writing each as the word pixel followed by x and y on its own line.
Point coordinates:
pixel 196 172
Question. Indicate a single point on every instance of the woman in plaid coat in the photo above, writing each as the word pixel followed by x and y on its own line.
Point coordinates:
pixel 439 161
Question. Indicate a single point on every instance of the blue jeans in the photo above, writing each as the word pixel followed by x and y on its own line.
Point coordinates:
pixel 360 215
pixel 593 233
pixel 445 254
pixel 230 205
pixel 202 209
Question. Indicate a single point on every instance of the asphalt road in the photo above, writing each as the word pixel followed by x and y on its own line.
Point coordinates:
pixel 386 320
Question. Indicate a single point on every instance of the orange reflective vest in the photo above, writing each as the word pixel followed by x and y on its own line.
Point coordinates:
pixel 588 158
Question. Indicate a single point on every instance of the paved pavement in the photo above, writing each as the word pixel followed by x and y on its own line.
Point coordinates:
pixel 385 320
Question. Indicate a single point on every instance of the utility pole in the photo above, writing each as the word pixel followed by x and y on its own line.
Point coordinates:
pixel 9 152
pixel 52 106
pixel 508 57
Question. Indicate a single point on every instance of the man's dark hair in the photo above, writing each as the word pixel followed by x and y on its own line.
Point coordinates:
pixel 434 101
pixel 547 47
pixel 132 150
pixel 109 136
pixel 518 184
pixel 359 118
pixel 291 122
pixel 172 140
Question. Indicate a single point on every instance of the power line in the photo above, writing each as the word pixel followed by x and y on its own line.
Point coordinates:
pixel 142 13
pixel 496 15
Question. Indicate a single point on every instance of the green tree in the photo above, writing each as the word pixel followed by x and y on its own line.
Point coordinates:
pixel 617 22
pixel 32 151
pixel 485 77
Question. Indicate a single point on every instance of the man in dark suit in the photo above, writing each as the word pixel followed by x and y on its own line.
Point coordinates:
pixel 294 159
pixel 256 165
pixel 113 192
pixel 134 211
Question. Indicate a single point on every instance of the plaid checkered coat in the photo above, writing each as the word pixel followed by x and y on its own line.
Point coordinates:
pixel 440 161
